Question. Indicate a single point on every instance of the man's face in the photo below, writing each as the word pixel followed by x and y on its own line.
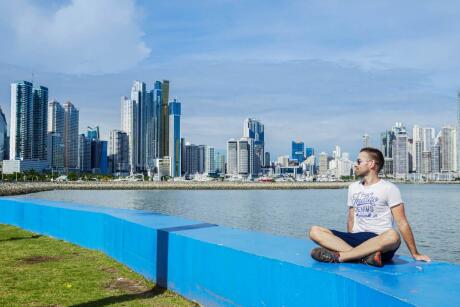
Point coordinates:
pixel 363 164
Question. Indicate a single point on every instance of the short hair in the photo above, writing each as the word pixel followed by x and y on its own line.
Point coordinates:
pixel 375 155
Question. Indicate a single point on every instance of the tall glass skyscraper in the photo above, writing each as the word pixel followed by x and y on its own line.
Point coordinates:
pixel 3 136
pixel 29 109
pixel 254 129
pixel 297 150
pixel 232 157
pixel 118 152
pixel 71 124
pixel 55 135
pixel 309 151
pixel 174 138
pixel 164 120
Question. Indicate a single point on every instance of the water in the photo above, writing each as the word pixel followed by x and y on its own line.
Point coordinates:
pixel 432 210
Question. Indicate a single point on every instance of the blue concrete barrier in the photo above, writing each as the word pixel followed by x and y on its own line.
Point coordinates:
pixel 220 266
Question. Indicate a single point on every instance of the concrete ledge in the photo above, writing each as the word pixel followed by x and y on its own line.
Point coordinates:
pixel 219 266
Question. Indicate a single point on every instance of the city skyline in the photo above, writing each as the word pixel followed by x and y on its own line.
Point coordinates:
pixel 228 69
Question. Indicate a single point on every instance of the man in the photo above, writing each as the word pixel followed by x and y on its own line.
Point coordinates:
pixel 374 205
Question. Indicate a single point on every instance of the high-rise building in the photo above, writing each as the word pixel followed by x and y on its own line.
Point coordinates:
pixel 458 132
pixel 243 157
pixel 387 139
pixel 267 159
pixel 309 151
pixel 232 157
pixel 93 133
pixel 3 136
pixel 323 163
pixel 118 153
pixel 447 144
pixel 417 148
pixel 297 149
pixel 210 163
pixel 71 124
pixel 128 117
pixel 401 155
pixel 28 122
pixel 427 163
pixel 254 129
pixel 436 157
pixel 174 138
pixel 99 162
pixel 55 117
pixel 164 119
pixel 84 154
pixel 366 140
pixel 55 151
pixel 428 138
pixel 55 135
pixel 201 159
pixel 40 123
pixel 182 156
pixel 191 159
pixel 220 163
pixel 138 99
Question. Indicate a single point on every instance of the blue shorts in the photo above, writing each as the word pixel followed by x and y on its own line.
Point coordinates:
pixel 357 238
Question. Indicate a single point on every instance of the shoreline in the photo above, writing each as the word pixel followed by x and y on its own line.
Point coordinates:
pixel 18 188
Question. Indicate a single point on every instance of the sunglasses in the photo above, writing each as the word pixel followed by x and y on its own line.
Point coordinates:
pixel 359 161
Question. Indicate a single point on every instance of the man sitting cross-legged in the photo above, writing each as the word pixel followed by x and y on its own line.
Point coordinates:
pixel 374 205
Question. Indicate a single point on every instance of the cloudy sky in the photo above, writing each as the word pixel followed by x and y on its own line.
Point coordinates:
pixel 324 72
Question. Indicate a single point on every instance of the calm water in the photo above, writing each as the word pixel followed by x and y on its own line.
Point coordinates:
pixel 432 210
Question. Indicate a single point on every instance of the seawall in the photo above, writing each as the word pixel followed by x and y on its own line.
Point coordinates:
pixel 220 266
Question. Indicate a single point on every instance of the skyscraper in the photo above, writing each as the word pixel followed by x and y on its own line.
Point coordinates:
pixel 164 119
pixel 323 163
pixel 28 127
pixel 365 140
pixel 128 117
pixel 191 159
pixel 436 157
pixel 40 123
pixel 400 155
pixel 232 157
pixel 182 156
pixel 3 136
pixel 387 139
pixel 309 151
pixel 243 157
pixel 220 163
pixel 174 138
pixel 417 148
pixel 93 133
pixel 254 129
pixel 55 117
pixel 84 154
pixel 458 132
pixel 297 149
pixel 428 138
pixel 138 99
pixel 210 164
pixel 447 143
pixel 201 158
pixel 118 152
pixel 71 124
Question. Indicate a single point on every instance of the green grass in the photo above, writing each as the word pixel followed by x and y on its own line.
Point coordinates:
pixel 39 271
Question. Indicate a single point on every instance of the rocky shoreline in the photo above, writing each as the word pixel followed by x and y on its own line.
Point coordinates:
pixel 17 188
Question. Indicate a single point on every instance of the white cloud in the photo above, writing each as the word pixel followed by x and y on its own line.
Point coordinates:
pixel 82 36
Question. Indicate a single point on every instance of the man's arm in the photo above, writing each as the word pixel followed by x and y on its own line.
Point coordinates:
pixel 351 219
pixel 406 232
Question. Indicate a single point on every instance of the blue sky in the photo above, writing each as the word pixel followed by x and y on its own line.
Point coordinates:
pixel 324 72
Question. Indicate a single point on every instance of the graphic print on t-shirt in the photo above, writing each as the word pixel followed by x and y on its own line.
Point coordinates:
pixel 364 204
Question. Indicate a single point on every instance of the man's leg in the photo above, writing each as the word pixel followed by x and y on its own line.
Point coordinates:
pixel 324 237
pixel 386 241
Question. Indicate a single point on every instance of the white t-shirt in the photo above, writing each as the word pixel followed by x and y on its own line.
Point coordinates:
pixel 373 205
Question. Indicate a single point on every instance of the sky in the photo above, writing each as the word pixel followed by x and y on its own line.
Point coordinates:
pixel 322 72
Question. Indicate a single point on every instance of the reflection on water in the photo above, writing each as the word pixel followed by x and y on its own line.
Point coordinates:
pixel 432 210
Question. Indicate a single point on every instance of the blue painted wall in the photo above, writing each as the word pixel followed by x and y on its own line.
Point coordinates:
pixel 219 266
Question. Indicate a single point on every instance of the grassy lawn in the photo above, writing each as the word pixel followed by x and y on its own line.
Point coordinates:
pixel 39 271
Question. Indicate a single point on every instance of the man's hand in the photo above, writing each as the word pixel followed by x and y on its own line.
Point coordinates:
pixel 419 257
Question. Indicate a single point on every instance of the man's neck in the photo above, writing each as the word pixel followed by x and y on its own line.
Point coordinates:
pixel 370 179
